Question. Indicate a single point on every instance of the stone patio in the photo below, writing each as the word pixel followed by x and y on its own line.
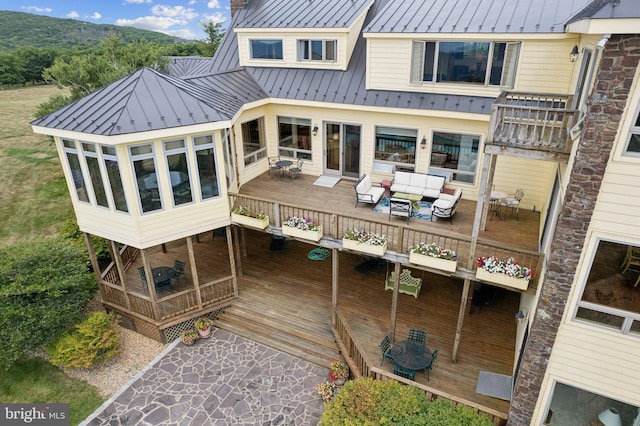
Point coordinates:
pixel 222 380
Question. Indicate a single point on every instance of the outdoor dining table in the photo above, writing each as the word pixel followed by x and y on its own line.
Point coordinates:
pixel 284 165
pixel 496 198
pixel 162 276
pixel 410 354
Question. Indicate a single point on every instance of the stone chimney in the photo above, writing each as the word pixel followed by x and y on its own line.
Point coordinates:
pixel 237 4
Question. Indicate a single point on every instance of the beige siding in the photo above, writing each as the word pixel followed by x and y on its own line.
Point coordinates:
pixel 544 66
pixel 533 176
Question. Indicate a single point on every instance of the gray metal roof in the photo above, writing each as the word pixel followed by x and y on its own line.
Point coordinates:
pixel 180 66
pixel 142 101
pixel 301 13
pixel 476 16
pixel 617 10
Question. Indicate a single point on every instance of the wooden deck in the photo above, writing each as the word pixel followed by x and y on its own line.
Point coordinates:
pixel 296 292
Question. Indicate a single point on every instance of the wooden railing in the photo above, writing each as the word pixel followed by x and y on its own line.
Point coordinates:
pixel 532 121
pixel 399 237
pixel 361 366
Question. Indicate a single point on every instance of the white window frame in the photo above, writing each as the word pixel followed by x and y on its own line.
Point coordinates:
pixel 108 156
pixel 634 130
pixel 69 146
pixel 168 151
pixel 291 151
pixel 145 156
pixel 202 147
pixel 388 160
pixel 257 155
pixel 90 150
pixel 264 40
pixel 507 76
pixel 308 42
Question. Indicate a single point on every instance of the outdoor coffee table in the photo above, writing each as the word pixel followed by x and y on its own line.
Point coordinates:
pixel 414 198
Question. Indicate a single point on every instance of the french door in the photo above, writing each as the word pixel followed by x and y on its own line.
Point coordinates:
pixel 342 149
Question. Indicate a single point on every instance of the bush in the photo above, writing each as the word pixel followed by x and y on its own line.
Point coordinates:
pixel 386 402
pixel 43 287
pixel 94 340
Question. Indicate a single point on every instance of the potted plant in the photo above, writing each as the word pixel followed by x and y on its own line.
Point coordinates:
pixel 365 242
pixel 189 337
pixel 434 256
pixel 339 372
pixel 203 325
pixel 246 216
pixel 508 273
pixel 302 227
pixel 326 390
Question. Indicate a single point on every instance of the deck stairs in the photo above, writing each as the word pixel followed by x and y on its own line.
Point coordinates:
pixel 295 335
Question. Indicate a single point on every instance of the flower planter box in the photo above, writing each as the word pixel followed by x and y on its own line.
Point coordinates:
pixel 250 221
pixel 506 280
pixel 303 234
pixel 364 248
pixel 433 262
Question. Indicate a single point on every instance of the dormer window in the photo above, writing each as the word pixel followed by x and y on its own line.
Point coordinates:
pixel 474 62
pixel 317 50
pixel 266 49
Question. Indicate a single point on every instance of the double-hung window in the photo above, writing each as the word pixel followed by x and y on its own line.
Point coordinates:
pixel 294 137
pixel 317 50
pixel 110 160
pixel 176 153
pixel 633 144
pixel 483 63
pixel 144 167
pixel 266 49
pixel 253 140
pixel 91 157
pixel 73 160
pixel 206 159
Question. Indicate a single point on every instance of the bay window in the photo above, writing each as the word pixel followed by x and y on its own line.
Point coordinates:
pixel 176 154
pixel 73 162
pixel 144 167
pixel 294 137
pixel 206 161
pixel 91 157
pixel 115 179
pixel 474 62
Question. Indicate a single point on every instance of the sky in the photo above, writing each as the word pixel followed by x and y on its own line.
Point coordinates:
pixel 180 18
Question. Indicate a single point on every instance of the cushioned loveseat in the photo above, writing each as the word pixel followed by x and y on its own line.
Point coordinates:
pixel 429 186
pixel 366 192
pixel 445 206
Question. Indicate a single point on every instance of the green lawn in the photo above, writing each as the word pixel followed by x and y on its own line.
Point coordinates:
pixel 34 203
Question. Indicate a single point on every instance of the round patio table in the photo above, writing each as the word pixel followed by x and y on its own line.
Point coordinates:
pixel 410 354
pixel 284 165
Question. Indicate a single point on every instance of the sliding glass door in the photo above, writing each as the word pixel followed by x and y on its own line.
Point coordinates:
pixel 342 149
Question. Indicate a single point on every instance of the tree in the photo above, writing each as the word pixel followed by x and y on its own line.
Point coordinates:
pixel 43 287
pixel 214 33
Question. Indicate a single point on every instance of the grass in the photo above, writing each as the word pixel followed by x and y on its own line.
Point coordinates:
pixel 34 199
pixel 36 381
pixel 34 203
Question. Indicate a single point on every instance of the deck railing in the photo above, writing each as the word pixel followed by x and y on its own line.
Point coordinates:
pixel 361 366
pixel 532 121
pixel 399 237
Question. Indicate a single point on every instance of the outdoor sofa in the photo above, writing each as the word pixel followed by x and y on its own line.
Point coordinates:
pixel 429 186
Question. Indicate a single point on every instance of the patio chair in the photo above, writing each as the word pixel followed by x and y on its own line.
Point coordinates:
pixel 384 348
pixel 401 371
pixel 434 357
pixel 400 207
pixel 272 164
pixel 178 267
pixel 416 335
pixel 296 170
pixel 514 203
pixel 143 274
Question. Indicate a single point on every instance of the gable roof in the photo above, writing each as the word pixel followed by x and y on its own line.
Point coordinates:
pixel 302 14
pixel 143 101
pixel 476 16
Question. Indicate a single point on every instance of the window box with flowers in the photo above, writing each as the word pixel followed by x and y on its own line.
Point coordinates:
pixel 365 242
pixel 248 217
pixel 507 273
pixel 433 256
pixel 302 227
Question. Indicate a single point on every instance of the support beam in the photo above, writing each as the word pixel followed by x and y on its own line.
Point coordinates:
pixel 194 271
pixel 232 261
pixel 461 314
pixel 394 300
pixel 486 186
pixel 92 257
pixel 150 284
pixel 335 269
pixel 236 237
pixel 121 272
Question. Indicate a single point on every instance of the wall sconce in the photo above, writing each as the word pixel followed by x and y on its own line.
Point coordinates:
pixel 573 56
pixel 423 144
pixel 610 417
pixel 522 315
pixel 315 130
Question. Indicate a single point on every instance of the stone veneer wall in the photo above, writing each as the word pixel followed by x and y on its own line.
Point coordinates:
pixel 614 79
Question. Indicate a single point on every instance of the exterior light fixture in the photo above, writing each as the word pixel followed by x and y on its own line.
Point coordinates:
pixel 315 130
pixel 610 417
pixel 423 144
pixel 522 315
pixel 574 54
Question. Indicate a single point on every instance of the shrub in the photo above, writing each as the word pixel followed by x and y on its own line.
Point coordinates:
pixel 443 413
pixel 43 288
pixel 94 340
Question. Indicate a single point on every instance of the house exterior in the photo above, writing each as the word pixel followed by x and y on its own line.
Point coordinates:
pixel 537 95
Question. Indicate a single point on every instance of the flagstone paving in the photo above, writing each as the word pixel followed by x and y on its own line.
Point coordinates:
pixel 222 380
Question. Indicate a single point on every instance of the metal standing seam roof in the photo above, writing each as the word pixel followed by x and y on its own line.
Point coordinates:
pixel 476 16
pixel 142 101
pixel 301 13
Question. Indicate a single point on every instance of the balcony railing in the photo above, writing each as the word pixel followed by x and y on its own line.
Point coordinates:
pixel 399 237
pixel 532 121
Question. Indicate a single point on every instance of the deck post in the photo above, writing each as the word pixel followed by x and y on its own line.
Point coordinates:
pixel 232 261
pixel 335 267
pixel 461 315
pixel 243 240
pixel 117 258
pixel 394 300
pixel 92 257
pixel 150 284
pixel 194 271
pixel 486 184
pixel 236 238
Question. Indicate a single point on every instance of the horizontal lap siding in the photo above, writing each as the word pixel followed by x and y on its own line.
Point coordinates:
pixel 544 67
pixel 601 362
pixel 535 177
